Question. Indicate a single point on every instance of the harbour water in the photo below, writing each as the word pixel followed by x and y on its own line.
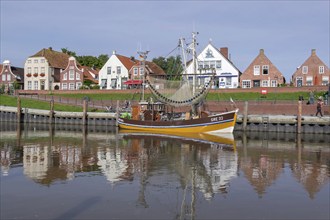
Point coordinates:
pixel 76 172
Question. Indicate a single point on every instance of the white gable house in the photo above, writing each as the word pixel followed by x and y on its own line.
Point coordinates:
pixel 212 59
pixel 115 72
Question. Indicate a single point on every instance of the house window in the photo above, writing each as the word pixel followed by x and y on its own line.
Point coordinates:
pixel 200 65
pixel 8 77
pixel 118 70
pixel 29 61
pixel 304 70
pixel 264 83
pixel 65 76
pixel 265 70
pixel 113 83
pixel 71 74
pixel 325 80
pixel 42 69
pixel 71 68
pixel 42 60
pixel 29 85
pixel 256 70
pixel 71 86
pixel 78 85
pixel 212 65
pixel 103 83
pixel 309 81
pixel 135 71
pixel 35 69
pixel 274 83
pixel 109 70
pixel 321 69
pixel 29 70
pixel 228 81
pixel 35 61
pixel 77 76
pixel 218 64
pixel 35 85
pixel 64 86
pixel 246 84
pixel 3 77
pixel 141 71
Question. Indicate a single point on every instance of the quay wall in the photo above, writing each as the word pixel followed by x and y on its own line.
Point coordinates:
pixel 245 122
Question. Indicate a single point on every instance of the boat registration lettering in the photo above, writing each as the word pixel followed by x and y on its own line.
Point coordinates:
pixel 219 118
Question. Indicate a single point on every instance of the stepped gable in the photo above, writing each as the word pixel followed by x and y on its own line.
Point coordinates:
pixel 55 59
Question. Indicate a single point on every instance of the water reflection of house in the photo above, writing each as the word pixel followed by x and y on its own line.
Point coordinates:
pixel 5 160
pixel 220 167
pixel 261 171
pixel 36 161
pixel 46 164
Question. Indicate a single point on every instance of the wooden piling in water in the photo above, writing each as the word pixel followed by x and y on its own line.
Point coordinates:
pixel 85 107
pixel 245 115
pixel 299 117
pixel 51 112
pixel 117 113
pixel 19 110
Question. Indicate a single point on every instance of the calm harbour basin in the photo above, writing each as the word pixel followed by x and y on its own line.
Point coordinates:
pixel 76 172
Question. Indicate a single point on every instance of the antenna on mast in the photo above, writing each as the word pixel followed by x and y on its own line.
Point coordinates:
pixel 143 56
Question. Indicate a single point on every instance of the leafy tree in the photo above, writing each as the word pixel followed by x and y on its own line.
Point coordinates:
pixel 90 61
pixel 172 66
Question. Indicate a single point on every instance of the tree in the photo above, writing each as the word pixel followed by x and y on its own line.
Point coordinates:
pixel 90 61
pixel 172 66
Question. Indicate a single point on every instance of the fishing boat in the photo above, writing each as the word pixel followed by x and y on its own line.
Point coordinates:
pixel 188 92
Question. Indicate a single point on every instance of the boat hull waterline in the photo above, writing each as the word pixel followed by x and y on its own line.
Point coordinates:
pixel 219 123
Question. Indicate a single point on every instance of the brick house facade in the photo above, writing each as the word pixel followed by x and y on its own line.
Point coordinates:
pixel 313 72
pixel 261 73
pixel 9 75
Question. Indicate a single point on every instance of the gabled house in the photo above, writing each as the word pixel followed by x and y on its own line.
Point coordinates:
pixel 121 72
pixel 211 59
pixel 114 72
pixel 74 75
pixel 312 72
pixel 261 73
pixel 136 73
pixel 42 70
pixel 10 75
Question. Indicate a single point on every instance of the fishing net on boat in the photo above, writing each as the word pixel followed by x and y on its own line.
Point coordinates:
pixel 179 92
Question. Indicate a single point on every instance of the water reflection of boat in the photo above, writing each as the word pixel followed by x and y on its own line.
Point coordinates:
pixel 225 140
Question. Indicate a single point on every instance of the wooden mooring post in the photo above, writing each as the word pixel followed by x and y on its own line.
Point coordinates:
pixel 51 112
pixel 85 107
pixel 117 113
pixel 245 115
pixel 19 110
pixel 299 117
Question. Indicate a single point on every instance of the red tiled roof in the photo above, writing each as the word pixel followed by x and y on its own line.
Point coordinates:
pixel 127 62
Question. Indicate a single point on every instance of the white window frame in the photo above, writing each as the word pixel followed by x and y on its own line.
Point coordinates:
pixel 108 70
pixel 325 80
pixel 65 76
pixel 135 71
pixel 141 71
pixel 273 83
pixel 35 61
pixel 77 76
pixel 8 77
pixel 78 85
pixel 265 67
pixel 118 69
pixel 246 84
pixel 29 70
pixel 256 70
pixel 35 70
pixel 42 70
pixel 309 81
pixel 71 86
pixel 321 69
pixel 36 85
pixel 42 60
pixel 29 83
pixel 304 70
pixel 264 83
pixel 71 74
pixel 64 86
pixel 29 61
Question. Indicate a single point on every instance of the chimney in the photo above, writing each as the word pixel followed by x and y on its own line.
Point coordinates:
pixel 262 52
pixel 313 52
pixel 224 51
pixel 114 52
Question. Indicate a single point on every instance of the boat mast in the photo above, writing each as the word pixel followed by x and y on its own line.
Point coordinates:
pixel 194 59
pixel 143 56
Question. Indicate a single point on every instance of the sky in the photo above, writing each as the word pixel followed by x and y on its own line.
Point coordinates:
pixel 286 30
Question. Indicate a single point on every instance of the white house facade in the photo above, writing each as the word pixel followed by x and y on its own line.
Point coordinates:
pixel 115 72
pixel 212 59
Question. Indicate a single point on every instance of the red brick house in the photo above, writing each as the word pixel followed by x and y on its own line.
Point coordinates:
pixel 261 73
pixel 74 75
pixel 313 72
pixel 10 75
